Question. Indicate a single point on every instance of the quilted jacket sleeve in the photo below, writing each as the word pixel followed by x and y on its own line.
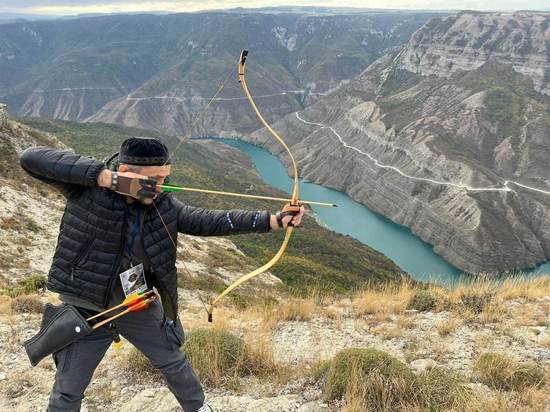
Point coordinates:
pixel 210 222
pixel 62 169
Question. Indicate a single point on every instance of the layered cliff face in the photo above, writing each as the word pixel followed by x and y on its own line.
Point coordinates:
pixel 459 156
pixel 466 42
pixel 159 72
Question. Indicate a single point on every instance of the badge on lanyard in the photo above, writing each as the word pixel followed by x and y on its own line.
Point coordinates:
pixel 133 280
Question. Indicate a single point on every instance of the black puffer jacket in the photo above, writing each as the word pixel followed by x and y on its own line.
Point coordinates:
pixel 92 233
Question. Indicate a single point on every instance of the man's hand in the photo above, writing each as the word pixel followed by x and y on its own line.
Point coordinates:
pixel 104 178
pixel 290 215
pixel 129 184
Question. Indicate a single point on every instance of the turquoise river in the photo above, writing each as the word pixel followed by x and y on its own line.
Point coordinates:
pixel 356 220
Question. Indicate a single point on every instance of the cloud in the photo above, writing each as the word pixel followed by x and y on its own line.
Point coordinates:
pixel 59 7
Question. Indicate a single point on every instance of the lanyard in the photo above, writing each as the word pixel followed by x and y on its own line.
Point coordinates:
pixel 133 234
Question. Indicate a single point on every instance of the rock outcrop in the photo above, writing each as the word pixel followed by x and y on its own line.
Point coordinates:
pixel 467 41
pixel 3 115
pixel 458 156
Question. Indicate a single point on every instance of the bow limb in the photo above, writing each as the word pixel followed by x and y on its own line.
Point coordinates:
pixel 293 201
pixel 242 81
pixel 255 272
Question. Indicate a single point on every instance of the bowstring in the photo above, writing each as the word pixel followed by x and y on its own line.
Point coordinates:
pixel 186 270
pixel 186 137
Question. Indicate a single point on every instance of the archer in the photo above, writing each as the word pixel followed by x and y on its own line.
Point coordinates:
pixel 112 244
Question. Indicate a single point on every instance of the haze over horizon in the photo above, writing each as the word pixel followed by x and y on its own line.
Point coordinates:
pixel 71 7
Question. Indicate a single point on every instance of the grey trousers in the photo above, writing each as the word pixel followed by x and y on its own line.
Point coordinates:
pixel 158 339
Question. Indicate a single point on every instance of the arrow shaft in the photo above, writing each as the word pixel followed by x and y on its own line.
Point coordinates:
pixel 218 192
pixel 123 304
pixel 143 304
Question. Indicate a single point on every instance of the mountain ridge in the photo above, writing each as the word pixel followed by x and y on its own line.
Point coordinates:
pixel 85 69
pixel 437 154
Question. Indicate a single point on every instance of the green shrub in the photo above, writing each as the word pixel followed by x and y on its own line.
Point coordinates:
pixel 423 301
pixel 320 369
pixel 440 390
pixel 216 355
pixel 502 372
pixel 27 286
pixel 363 362
pixel 372 380
pixel 27 304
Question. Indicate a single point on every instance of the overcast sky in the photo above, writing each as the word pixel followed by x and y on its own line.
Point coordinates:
pixel 58 7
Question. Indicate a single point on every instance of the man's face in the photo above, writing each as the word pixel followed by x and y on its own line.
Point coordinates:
pixel 157 172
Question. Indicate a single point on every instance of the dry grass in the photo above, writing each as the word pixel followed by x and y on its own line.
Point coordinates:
pixel 447 327
pixel 513 288
pixel 383 302
pixel 14 338
pixel 404 322
pixel 375 389
pixel 388 331
pixel 138 366
pixel 296 309
pixel 503 372
pixel 291 309
pixel 493 312
pixel 394 330
pixel 529 289
pixel 24 384
pixel 528 400
pixel 27 304
pixel 358 364
pixel 221 358
pixel 5 305
pixel 104 393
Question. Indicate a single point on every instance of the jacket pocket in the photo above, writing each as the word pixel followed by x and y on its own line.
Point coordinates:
pixel 81 255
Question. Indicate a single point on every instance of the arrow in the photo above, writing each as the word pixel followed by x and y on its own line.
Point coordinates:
pixel 173 188
pixel 139 306
pixel 129 301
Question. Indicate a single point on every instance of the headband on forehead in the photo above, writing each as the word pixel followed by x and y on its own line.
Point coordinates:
pixel 144 151
pixel 143 161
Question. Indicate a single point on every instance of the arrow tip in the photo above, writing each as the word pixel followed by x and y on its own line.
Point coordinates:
pixel 334 205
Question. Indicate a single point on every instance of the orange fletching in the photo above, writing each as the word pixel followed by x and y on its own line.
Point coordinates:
pixel 133 299
pixel 144 304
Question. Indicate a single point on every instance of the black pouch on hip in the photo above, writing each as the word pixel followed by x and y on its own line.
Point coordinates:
pixel 61 326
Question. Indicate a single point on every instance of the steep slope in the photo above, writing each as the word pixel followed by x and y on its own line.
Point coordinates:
pixel 455 147
pixel 443 47
pixel 159 71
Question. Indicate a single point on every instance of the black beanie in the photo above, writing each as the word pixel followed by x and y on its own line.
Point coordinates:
pixel 143 151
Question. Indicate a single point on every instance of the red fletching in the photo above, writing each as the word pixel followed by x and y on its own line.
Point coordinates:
pixel 141 305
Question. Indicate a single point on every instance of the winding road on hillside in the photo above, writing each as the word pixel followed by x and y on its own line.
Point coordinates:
pixel 504 188
pixel 261 96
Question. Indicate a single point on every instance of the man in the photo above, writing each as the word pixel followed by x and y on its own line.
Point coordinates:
pixel 118 235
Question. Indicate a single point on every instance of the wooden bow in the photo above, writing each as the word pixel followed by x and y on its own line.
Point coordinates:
pixel 293 200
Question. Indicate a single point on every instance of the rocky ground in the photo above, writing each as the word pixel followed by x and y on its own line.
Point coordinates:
pixel 300 333
pixel 297 333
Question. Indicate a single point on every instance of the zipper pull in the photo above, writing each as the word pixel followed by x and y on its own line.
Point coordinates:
pixel 72 273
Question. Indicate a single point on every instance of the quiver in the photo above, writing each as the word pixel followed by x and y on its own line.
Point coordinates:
pixel 61 326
